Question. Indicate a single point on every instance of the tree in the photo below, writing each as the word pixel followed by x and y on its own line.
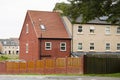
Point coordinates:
pixel 68 10
pixel 91 9
pixel 0 48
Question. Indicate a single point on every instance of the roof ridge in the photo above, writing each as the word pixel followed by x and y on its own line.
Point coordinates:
pixel 41 11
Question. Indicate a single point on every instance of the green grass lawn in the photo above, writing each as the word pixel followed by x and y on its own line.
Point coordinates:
pixel 98 75
pixel 105 75
pixel 8 57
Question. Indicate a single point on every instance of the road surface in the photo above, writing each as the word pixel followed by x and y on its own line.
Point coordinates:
pixel 37 77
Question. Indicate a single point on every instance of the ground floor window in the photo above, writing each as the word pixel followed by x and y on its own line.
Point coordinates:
pixel 79 46
pixel 91 46
pixel 48 45
pixel 107 46
pixel 118 46
pixel 63 46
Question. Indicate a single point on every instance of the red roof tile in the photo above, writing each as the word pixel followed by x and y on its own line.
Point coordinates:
pixel 54 27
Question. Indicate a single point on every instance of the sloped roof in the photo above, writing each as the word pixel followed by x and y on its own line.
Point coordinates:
pixel 95 21
pixel 9 42
pixel 54 27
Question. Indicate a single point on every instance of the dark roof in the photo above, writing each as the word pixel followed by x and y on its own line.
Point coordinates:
pixel 52 24
pixel 9 42
pixel 95 21
pixel 101 20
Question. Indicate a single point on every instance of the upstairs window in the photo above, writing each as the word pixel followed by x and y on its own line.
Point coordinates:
pixel 48 46
pixel 118 46
pixel 80 30
pixel 92 29
pixel 107 30
pixel 91 46
pixel 63 46
pixel 79 46
pixel 107 46
pixel 27 29
pixel 118 30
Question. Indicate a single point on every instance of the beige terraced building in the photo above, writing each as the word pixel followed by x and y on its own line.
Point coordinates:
pixel 96 36
pixel 9 46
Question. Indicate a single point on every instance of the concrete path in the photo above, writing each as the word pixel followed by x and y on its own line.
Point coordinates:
pixel 37 77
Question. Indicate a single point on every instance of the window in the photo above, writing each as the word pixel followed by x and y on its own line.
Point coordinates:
pixel 79 46
pixel 107 30
pixel 48 45
pixel 118 46
pixel 91 46
pixel 26 47
pixel 107 46
pixel 92 29
pixel 42 27
pixel 62 46
pixel 80 29
pixel 27 28
pixel 118 30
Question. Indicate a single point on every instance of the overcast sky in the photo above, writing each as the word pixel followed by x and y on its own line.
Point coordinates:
pixel 12 14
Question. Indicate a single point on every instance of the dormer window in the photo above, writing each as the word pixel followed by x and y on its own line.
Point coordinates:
pixel 27 30
pixel 42 27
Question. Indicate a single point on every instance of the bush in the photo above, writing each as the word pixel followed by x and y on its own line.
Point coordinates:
pixel 3 58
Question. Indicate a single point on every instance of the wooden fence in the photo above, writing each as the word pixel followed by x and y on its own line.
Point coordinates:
pixel 46 66
pixel 102 63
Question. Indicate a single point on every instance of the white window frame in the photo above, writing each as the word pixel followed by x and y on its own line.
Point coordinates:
pixel 92 28
pixel 27 47
pixel 62 46
pixel 107 48
pixel 107 30
pixel 92 45
pixel 118 30
pixel 80 29
pixel 48 47
pixel 118 46
pixel 80 47
pixel 27 28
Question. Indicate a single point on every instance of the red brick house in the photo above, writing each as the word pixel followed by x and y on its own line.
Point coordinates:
pixel 44 35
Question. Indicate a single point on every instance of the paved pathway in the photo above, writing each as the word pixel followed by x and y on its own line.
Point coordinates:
pixel 37 77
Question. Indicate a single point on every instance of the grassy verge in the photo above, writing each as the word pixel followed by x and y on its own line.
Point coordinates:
pixel 99 75
pixel 8 57
pixel 105 75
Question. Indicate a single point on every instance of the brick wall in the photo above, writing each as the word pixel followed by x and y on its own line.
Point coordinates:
pixel 55 51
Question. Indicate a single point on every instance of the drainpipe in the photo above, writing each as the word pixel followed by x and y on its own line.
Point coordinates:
pixel 72 37
pixel 40 46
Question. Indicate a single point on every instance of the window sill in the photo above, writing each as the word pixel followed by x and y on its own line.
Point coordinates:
pixel 48 49
pixel 108 34
pixel 117 34
pixel 26 52
pixel 108 50
pixel 79 33
pixel 80 50
pixel 91 33
pixel 91 50
pixel 117 50
pixel 62 50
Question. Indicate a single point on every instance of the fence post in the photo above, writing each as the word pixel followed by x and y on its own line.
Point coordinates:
pixel 66 64
pixel 54 65
pixel 44 66
pixel 82 64
pixel 35 66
